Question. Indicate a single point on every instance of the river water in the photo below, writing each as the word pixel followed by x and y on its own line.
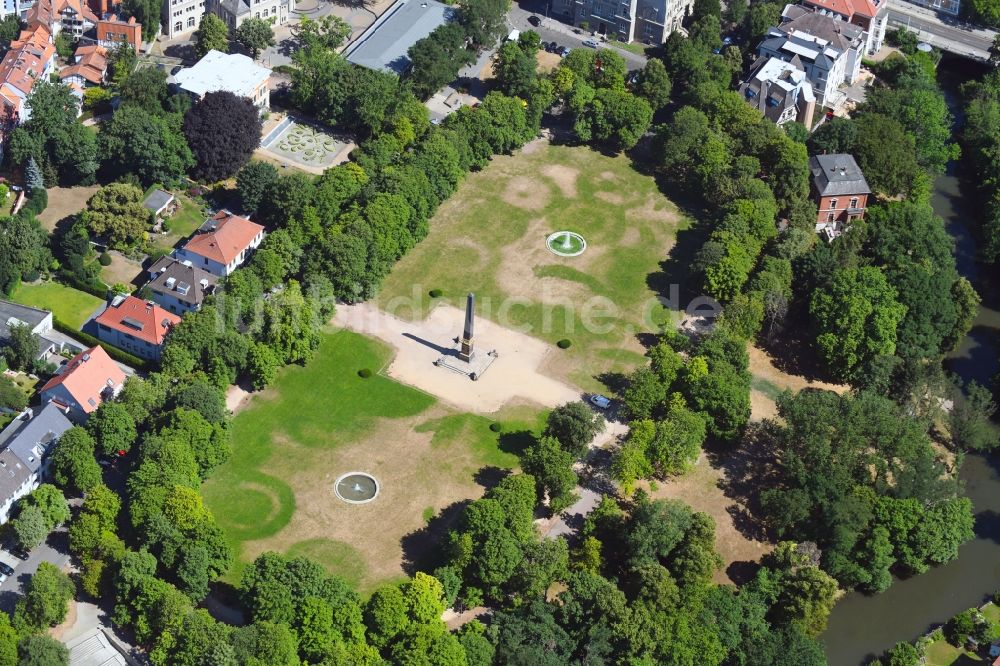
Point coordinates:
pixel 862 627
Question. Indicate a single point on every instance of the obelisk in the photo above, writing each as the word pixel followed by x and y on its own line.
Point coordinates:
pixel 465 353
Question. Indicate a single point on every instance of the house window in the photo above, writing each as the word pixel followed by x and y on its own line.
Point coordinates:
pixel 190 21
pixel 854 202
pixel 256 14
pixel 178 26
pixel 829 217
pixel 833 204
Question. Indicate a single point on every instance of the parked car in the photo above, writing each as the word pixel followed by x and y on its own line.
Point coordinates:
pixel 551 47
pixel 600 401
pixel 726 41
pixel 534 20
pixel 564 51
pixel 591 43
pixel 6 569
pixel 19 553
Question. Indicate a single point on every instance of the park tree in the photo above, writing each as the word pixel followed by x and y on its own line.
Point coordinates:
pixel 146 88
pixel 222 131
pixel 483 21
pixel 52 503
pixel 33 176
pixel 121 61
pixel 212 35
pixel 21 349
pixel 73 464
pixel 614 117
pixel 255 35
pixel 42 650
pixel 113 428
pixel 885 153
pixel 552 468
pixel 30 527
pixel 253 181
pixel 146 12
pixel 969 420
pixel 855 318
pixel 116 212
pixel 329 32
pixel 140 142
pixel 46 598
pixel 574 425
pixel 515 70
pixel 436 59
pixel 654 84
pixel 262 365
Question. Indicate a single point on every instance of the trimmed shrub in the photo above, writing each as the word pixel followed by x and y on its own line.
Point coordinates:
pixel 496 427
pixel 565 343
pixel 90 341
pixel 364 373
pixel 435 293
pixel 104 259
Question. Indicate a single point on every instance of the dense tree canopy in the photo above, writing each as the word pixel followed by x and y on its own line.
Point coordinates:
pixel 222 131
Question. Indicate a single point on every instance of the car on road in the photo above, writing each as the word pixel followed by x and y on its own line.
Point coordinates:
pixel 534 20
pixel 6 569
pixel 551 47
pixel 591 43
pixel 18 552
pixel 600 401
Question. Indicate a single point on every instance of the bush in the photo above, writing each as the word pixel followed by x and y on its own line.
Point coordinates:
pixel 364 373
pixel 496 427
pixel 31 275
pixel 435 293
pixel 565 343
pixel 104 259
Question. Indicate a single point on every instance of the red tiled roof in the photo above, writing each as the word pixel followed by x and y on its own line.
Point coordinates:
pixel 47 12
pixel 111 30
pixel 27 58
pixel 848 8
pixel 232 235
pixel 86 377
pixel 91 64
pixel 141 319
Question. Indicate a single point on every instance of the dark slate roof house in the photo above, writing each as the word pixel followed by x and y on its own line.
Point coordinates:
pixel 179 286
pixel 24 448
pixel 837 175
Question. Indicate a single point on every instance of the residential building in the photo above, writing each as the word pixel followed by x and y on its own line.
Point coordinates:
pixel 869 15
pixel 81 385
pixel 647 21
pixel 235 12
pixel 181 17
pixel 136 326
pixel 25 445
pixel 232 72
pixel 71 16
pixel 179 286
pixel 781 91
pixel 90 64
pixel 828 50
pixel 40 322
pixel 113 31
pixel 840 191
pixel 385 43
pixel 222 243
pixel 31 58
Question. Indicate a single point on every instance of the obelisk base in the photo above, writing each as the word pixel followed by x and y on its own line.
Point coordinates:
pixel 474 368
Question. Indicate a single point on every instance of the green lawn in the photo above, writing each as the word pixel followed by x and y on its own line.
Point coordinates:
pixel 188 217
pixel 67 304
pixel 287 446
pixel 489 238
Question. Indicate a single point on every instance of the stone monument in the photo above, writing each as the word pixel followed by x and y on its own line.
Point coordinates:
pixel 464 359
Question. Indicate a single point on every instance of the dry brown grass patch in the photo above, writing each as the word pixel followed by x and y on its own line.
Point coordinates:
pixel 527 194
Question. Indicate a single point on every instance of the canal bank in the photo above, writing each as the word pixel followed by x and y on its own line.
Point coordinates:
pixel 862 627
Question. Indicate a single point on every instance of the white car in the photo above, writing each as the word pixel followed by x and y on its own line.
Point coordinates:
pixel 592 43
pixel 599 401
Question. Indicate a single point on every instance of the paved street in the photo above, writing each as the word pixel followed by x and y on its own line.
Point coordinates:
pixel 946 32
pixel 55 549
pixel 552 30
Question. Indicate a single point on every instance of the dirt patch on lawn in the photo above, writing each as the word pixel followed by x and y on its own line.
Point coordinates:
pixel 520 263
pixel 547 61
pixel 564 177
pixel 701 489
pixel 769 381
pixel 610 197
pixel 631 237
pixel 435 475
pixel 655 209
pixel 123 270
pixel 63 202
pixel 526 193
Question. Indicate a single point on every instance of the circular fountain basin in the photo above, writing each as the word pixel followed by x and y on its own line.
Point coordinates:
pixel 356 487
pixel 566 243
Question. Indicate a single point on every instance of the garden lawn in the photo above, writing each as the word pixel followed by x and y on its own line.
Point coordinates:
pixel 184 222
pixel 69 305
pixel 489 238
pixel 292 441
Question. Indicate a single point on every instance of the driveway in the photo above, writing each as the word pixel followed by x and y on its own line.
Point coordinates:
pixel 54 549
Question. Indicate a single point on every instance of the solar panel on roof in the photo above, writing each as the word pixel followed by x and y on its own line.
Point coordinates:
pixel 132 323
